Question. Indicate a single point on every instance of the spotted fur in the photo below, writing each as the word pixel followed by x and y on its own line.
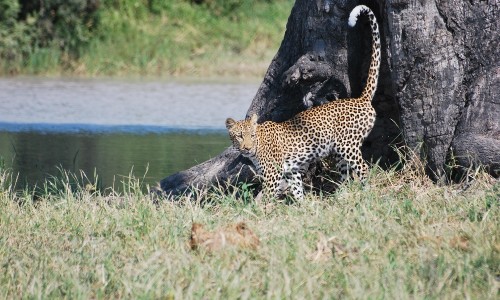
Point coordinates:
pixel 281 151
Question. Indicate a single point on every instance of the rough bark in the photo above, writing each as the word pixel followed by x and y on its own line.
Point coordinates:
pixel 445 71
pixel 439 84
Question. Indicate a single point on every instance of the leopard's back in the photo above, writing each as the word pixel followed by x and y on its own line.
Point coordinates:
pixel 312 131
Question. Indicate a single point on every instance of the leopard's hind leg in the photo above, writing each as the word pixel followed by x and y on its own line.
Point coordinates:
pixel 351 160
pixel 341 166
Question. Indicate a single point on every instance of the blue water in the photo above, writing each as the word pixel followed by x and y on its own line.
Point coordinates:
pixel 44 128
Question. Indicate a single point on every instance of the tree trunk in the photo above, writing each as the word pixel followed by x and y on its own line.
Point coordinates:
pixel 445 67
pixel 438 90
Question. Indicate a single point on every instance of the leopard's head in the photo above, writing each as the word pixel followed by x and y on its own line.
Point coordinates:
pixel 243 134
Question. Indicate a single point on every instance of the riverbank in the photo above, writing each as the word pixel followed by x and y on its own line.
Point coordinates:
pixel 174 38
pixel 398 236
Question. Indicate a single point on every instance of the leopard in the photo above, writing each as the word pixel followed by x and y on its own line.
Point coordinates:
pixel 282 151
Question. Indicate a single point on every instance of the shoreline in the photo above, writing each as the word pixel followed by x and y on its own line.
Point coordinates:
pixel 184 78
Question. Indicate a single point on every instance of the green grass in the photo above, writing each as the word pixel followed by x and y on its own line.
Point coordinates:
pixel 175 39
pixel 398 237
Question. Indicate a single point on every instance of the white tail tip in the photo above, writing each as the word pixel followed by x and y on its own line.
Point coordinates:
pixel 353 16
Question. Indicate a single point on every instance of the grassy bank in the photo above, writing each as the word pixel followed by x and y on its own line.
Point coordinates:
pixel 398 237
pixel 158 38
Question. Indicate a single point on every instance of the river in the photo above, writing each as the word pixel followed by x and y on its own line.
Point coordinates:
pixel 114 128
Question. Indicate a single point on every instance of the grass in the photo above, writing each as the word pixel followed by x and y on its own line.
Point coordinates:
pixel 177 39
pixel 398 237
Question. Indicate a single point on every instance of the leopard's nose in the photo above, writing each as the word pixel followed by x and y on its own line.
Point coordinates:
pixel 246 145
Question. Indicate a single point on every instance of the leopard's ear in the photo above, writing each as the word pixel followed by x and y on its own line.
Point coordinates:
pixel 254 119
pixel 230 123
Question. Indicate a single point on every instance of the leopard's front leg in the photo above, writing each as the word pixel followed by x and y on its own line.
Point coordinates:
pixel 294 179
pixel 273 183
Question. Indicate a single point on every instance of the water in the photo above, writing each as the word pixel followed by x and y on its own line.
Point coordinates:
pixel 114 127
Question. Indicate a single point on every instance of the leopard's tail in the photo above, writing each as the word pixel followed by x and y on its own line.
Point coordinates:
pixel 371 82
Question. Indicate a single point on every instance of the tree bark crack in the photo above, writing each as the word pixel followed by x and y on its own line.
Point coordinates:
pixel 444 19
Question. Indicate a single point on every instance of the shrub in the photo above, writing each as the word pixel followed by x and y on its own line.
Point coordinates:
pixel 15 37
pixel 65 23
pixel 27 25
